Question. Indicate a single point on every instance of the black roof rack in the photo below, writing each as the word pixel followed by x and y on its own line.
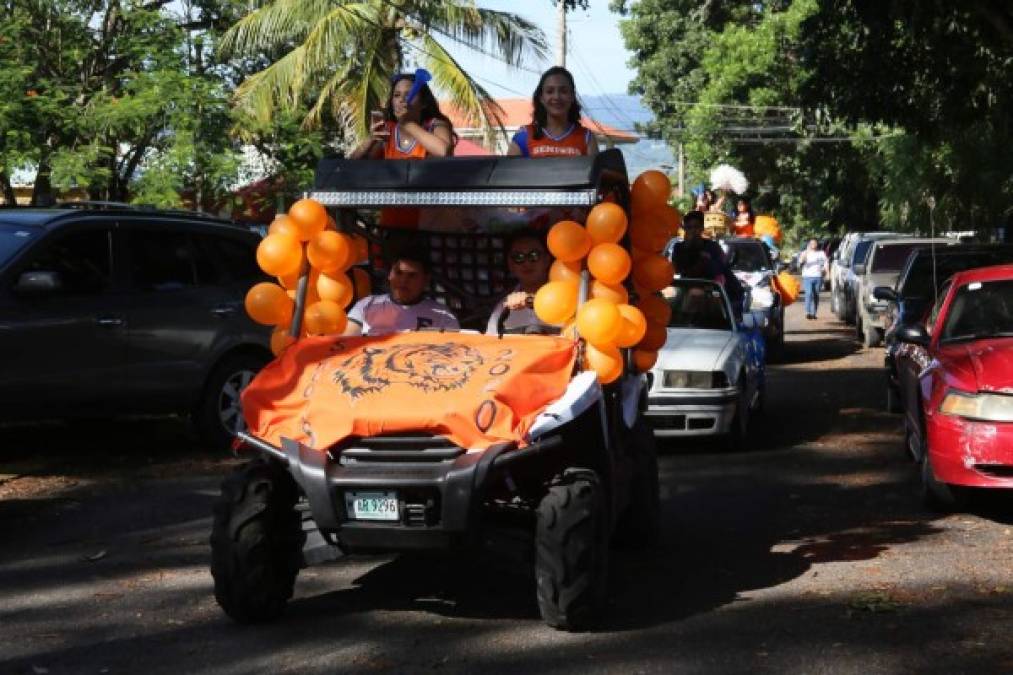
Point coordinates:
pixel 142 208
pixel 467 181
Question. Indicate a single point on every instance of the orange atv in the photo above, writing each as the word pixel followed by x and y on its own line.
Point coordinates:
pixel 443 439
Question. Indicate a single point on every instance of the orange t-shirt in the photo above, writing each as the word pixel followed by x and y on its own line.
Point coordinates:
pixel 573 143
pixel 392 148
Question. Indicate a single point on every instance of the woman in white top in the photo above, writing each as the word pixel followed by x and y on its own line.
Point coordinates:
pixel 528 261
pixel 813 263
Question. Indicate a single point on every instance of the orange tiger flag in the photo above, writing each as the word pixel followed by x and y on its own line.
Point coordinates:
pixel 477 390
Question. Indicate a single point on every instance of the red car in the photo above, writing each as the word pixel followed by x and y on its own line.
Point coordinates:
pixel 956 378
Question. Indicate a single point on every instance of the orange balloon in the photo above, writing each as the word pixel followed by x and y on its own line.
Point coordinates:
pixel 335 287
pixel 655 308
pixel 651 190
pixel 280 340
pixel 606 223
pixel 616 293
pixel 644 359
pixel 568 241
pixel 767 225
pixel 788 287
pixel 556 301
pixel 309 216
pixel 279 255
pixel 329 251
pixel 638 253
pixel 283 225
pixel 361 283
pixel 649 233
pixel 607 362
pixel 268 304
pixel 565 271
pixel 599 322
pixel 654 272
pixel 654 337
pixel 670 219
pixel 634 325
pixel 324 317
pixel 609 263
pixel 289 281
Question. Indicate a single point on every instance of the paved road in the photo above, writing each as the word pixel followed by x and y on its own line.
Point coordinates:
pixel 809 553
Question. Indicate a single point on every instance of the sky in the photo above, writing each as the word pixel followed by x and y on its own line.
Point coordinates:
pixel 596 54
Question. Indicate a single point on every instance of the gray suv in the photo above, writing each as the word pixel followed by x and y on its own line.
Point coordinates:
pixel 117 310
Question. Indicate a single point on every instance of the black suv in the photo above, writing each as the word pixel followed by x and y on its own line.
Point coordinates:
pixel 916 290
pixel 115 310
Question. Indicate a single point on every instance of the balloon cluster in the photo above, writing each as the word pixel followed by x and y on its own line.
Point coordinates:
pixel 606 320
pixel 306 242
pixel 767 225
pixel 788 287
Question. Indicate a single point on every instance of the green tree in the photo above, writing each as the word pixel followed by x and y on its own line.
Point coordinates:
pixel 340 54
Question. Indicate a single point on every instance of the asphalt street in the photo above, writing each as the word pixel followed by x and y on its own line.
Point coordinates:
pixel 808 553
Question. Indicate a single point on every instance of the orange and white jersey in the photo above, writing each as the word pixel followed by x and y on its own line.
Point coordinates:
pixel 393 149
pixel 573 143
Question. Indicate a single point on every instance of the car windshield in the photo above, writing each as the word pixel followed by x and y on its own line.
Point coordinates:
pixel 980 309
pixel 698 304
pixel 748 257
pixel 891 257
pixel 922 282
pixel 13 239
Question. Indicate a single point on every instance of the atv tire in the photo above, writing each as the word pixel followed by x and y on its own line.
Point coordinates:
pixel 641 522
pixel 571 551
pixel 256 542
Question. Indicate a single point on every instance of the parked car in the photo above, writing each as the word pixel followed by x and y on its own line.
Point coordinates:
pixel 842 278
pixel 750 260
pixel 955 373
pixel 885 261
pixel 709 376
pixel 918 287
pixel 119 310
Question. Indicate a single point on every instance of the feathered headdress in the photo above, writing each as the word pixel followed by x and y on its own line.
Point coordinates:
pixel 725 177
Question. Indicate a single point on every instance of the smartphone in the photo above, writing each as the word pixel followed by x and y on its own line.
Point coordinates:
pixel 376 117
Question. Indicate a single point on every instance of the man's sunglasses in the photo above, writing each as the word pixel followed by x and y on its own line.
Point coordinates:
pixel 531 256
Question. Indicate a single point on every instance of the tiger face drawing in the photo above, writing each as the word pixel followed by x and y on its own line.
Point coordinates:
pixel 430 367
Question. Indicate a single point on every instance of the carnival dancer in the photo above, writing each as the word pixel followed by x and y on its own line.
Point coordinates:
pixel 556 130
pixel 409 130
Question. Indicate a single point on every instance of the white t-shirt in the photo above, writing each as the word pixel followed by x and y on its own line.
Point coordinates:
pixel 379 315
pixel 813 263
pixel 518 318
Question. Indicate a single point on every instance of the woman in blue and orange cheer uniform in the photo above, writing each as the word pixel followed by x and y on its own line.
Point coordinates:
pixel 556 130
pixel 413 130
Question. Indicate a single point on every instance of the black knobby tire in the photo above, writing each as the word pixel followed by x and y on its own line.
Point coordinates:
pixel 892 399
pixel 256 542
pixel 641 520
pixel 215 408
pixel 571 551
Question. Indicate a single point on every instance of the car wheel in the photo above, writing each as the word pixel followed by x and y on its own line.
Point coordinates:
pixel 835 305
pixel 936 495
pixel 892 399
pixel 735 440
pixel 571 551
pixel 870 336
pixel 256 542
pixel 219 414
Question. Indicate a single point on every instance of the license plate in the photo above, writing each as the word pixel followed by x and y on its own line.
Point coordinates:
pixel 372 505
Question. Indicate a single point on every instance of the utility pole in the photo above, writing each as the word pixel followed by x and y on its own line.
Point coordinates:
pixel 682 170
pixel 561 33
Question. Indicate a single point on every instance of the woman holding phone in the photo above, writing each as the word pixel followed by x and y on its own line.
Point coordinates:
pixel 556 130
pixel 408 130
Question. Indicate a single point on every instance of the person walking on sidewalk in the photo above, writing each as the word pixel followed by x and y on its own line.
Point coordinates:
pixel 813 262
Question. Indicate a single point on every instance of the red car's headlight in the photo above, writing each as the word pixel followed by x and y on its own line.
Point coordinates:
pixel 987 407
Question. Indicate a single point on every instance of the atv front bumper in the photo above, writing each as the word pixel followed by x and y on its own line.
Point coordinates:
pixel 440 488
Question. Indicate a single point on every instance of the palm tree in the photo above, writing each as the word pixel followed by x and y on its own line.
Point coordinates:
pixel 341 54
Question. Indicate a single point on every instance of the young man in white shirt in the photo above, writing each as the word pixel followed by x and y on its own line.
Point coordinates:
pixel 405 307
pixel 528 261
pixel 813 262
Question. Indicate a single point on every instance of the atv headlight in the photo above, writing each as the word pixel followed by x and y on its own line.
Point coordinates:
pixel 987 407
pixel 695 379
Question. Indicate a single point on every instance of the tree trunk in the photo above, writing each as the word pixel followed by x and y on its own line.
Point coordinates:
pixel 42 193
pixel 10 199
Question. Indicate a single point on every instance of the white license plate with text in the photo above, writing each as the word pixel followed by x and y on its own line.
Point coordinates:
pixel 372 506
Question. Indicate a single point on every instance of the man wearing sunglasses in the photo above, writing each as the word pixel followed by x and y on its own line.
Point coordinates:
pixel 528 262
